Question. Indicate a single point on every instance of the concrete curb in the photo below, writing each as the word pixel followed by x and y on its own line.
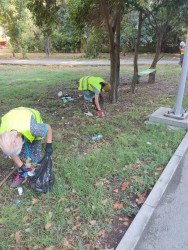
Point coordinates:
pixel 136 229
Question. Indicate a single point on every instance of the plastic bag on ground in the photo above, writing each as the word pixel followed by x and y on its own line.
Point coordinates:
pixel 44 178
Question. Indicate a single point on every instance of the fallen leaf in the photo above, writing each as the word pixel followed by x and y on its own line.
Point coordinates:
pixel 104 202
pixel 125 185
pixel 65 243
pixel 141 199
pixel 48 225
pixel 99 184
pixel 126 223
pixel 34 201
pixel 25 219
pixel 18 237
pixel 28 209
pixel 101 232
pixel 118 205
pixel 84 233
pixel 62 199
pixel 93 222
pixel 50 214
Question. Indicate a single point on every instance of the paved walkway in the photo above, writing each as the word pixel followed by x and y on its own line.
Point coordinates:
pixel 77 62
pixel 168 226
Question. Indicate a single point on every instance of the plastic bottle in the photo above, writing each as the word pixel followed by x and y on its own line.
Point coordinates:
pixel 96 137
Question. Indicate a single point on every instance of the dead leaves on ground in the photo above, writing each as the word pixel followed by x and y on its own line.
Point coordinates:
pixel 118 205
pixel 141 199
pixel 125 185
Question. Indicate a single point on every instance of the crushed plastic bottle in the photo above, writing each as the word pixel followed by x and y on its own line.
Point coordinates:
pixel 96 137
pixel 20 190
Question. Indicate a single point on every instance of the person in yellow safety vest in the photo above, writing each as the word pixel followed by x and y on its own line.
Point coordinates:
pixel 92 87
pixel 21 132
pixel 182 50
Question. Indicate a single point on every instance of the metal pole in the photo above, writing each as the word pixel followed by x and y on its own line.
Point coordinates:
pixel 177 111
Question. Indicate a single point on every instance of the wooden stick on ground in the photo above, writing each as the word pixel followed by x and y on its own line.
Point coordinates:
pixel 1 183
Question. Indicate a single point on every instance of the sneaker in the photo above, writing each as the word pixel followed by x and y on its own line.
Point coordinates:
pixel 88 113
pixel 18 181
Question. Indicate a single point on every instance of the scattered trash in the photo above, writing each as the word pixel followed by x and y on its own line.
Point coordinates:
pixel 67 98
pixel 31 173
pixel 64 99
pixel 96 137
pixel 20 190
pixel 149 143
pixel 62 117
pixel 17 202
pixel 60 93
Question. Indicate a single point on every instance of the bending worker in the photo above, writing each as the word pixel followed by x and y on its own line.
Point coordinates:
pixel 92 87
pixel 182 51
pixel 21 132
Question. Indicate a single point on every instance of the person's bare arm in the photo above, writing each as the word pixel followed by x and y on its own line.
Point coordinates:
pixel 17 160
pixel 97 102
pixel 49 134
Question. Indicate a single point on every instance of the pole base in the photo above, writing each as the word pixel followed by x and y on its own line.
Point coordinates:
pixel 183 115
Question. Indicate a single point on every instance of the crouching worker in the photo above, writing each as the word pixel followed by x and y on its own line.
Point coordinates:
pixel 21 132
pixel 93 87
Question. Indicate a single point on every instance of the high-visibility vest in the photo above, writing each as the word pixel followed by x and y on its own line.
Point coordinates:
pixel 19 119
pixel 86 82
pixel 182 51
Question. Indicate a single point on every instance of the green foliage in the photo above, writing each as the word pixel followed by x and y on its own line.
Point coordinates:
pixel 44 13
pixel 13 16
pixel 65 38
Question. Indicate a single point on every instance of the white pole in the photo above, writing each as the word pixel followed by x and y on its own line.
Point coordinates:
pixel 178 106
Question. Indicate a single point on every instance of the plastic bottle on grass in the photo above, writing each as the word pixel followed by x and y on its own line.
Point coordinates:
pixel 96 137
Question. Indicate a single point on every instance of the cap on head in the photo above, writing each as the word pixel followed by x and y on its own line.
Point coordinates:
pixel 107 87
pixel 10 143
pixel 182 44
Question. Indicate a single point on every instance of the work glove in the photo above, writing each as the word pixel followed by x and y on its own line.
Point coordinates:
pixel 23 168
pixel 49 149
pixel 101 113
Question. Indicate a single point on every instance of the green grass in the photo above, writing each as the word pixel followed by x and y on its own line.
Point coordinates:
pixel 87 173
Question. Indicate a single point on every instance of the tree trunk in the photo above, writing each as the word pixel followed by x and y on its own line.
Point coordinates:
pixel 155 60
pixel 20 48
pixel 115 63
pixel 46 48
pixel 48 44
pixel 135 76
pixel 114 38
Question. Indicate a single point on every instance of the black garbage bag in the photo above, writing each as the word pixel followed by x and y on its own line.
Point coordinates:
pixel 43 179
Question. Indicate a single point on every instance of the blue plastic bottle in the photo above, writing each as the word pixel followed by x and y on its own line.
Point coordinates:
pixel 96 137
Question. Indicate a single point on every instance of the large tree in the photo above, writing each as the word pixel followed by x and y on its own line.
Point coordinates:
pixel 45 17
pixel 12 19
pixel 100 13
pixel 161 14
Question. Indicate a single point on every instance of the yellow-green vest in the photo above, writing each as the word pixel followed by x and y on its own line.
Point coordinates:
pixel 86 82
pixel 182 51
pixel 19 119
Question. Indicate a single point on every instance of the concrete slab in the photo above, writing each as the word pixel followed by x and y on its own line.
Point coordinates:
pixel 136 230
pixel 158 117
